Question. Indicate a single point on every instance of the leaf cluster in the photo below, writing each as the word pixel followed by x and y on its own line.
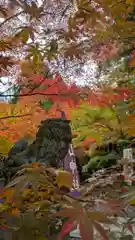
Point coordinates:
pixel 38 198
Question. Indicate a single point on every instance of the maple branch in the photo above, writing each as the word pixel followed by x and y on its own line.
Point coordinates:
pixel 2 123
pixel 12 116
pixel 114 4
pixel 68 195
pixel 30 93
pixel 104 126
pixel 11 17
pixel 72 197
pixel 38 93
pixel 37 86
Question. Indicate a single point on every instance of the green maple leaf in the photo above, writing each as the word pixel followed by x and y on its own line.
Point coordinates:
pixel 46 105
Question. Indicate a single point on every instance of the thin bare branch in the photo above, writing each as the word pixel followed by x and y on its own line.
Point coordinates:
pixel 11 17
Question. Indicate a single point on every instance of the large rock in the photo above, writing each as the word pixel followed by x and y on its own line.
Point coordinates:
pixel 50 147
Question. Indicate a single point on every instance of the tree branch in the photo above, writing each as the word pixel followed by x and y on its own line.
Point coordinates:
pixel 38 93
pixel 104 126
pixel 12 116
pixel 114 4
pixel 11 17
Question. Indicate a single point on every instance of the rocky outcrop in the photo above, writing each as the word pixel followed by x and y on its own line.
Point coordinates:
pixel 50 147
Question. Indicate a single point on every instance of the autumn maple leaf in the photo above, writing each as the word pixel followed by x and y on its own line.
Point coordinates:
pixel 87 222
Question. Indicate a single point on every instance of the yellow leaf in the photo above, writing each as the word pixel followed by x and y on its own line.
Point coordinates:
pixel 132 202
pixel 64 179
pixel 25 35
